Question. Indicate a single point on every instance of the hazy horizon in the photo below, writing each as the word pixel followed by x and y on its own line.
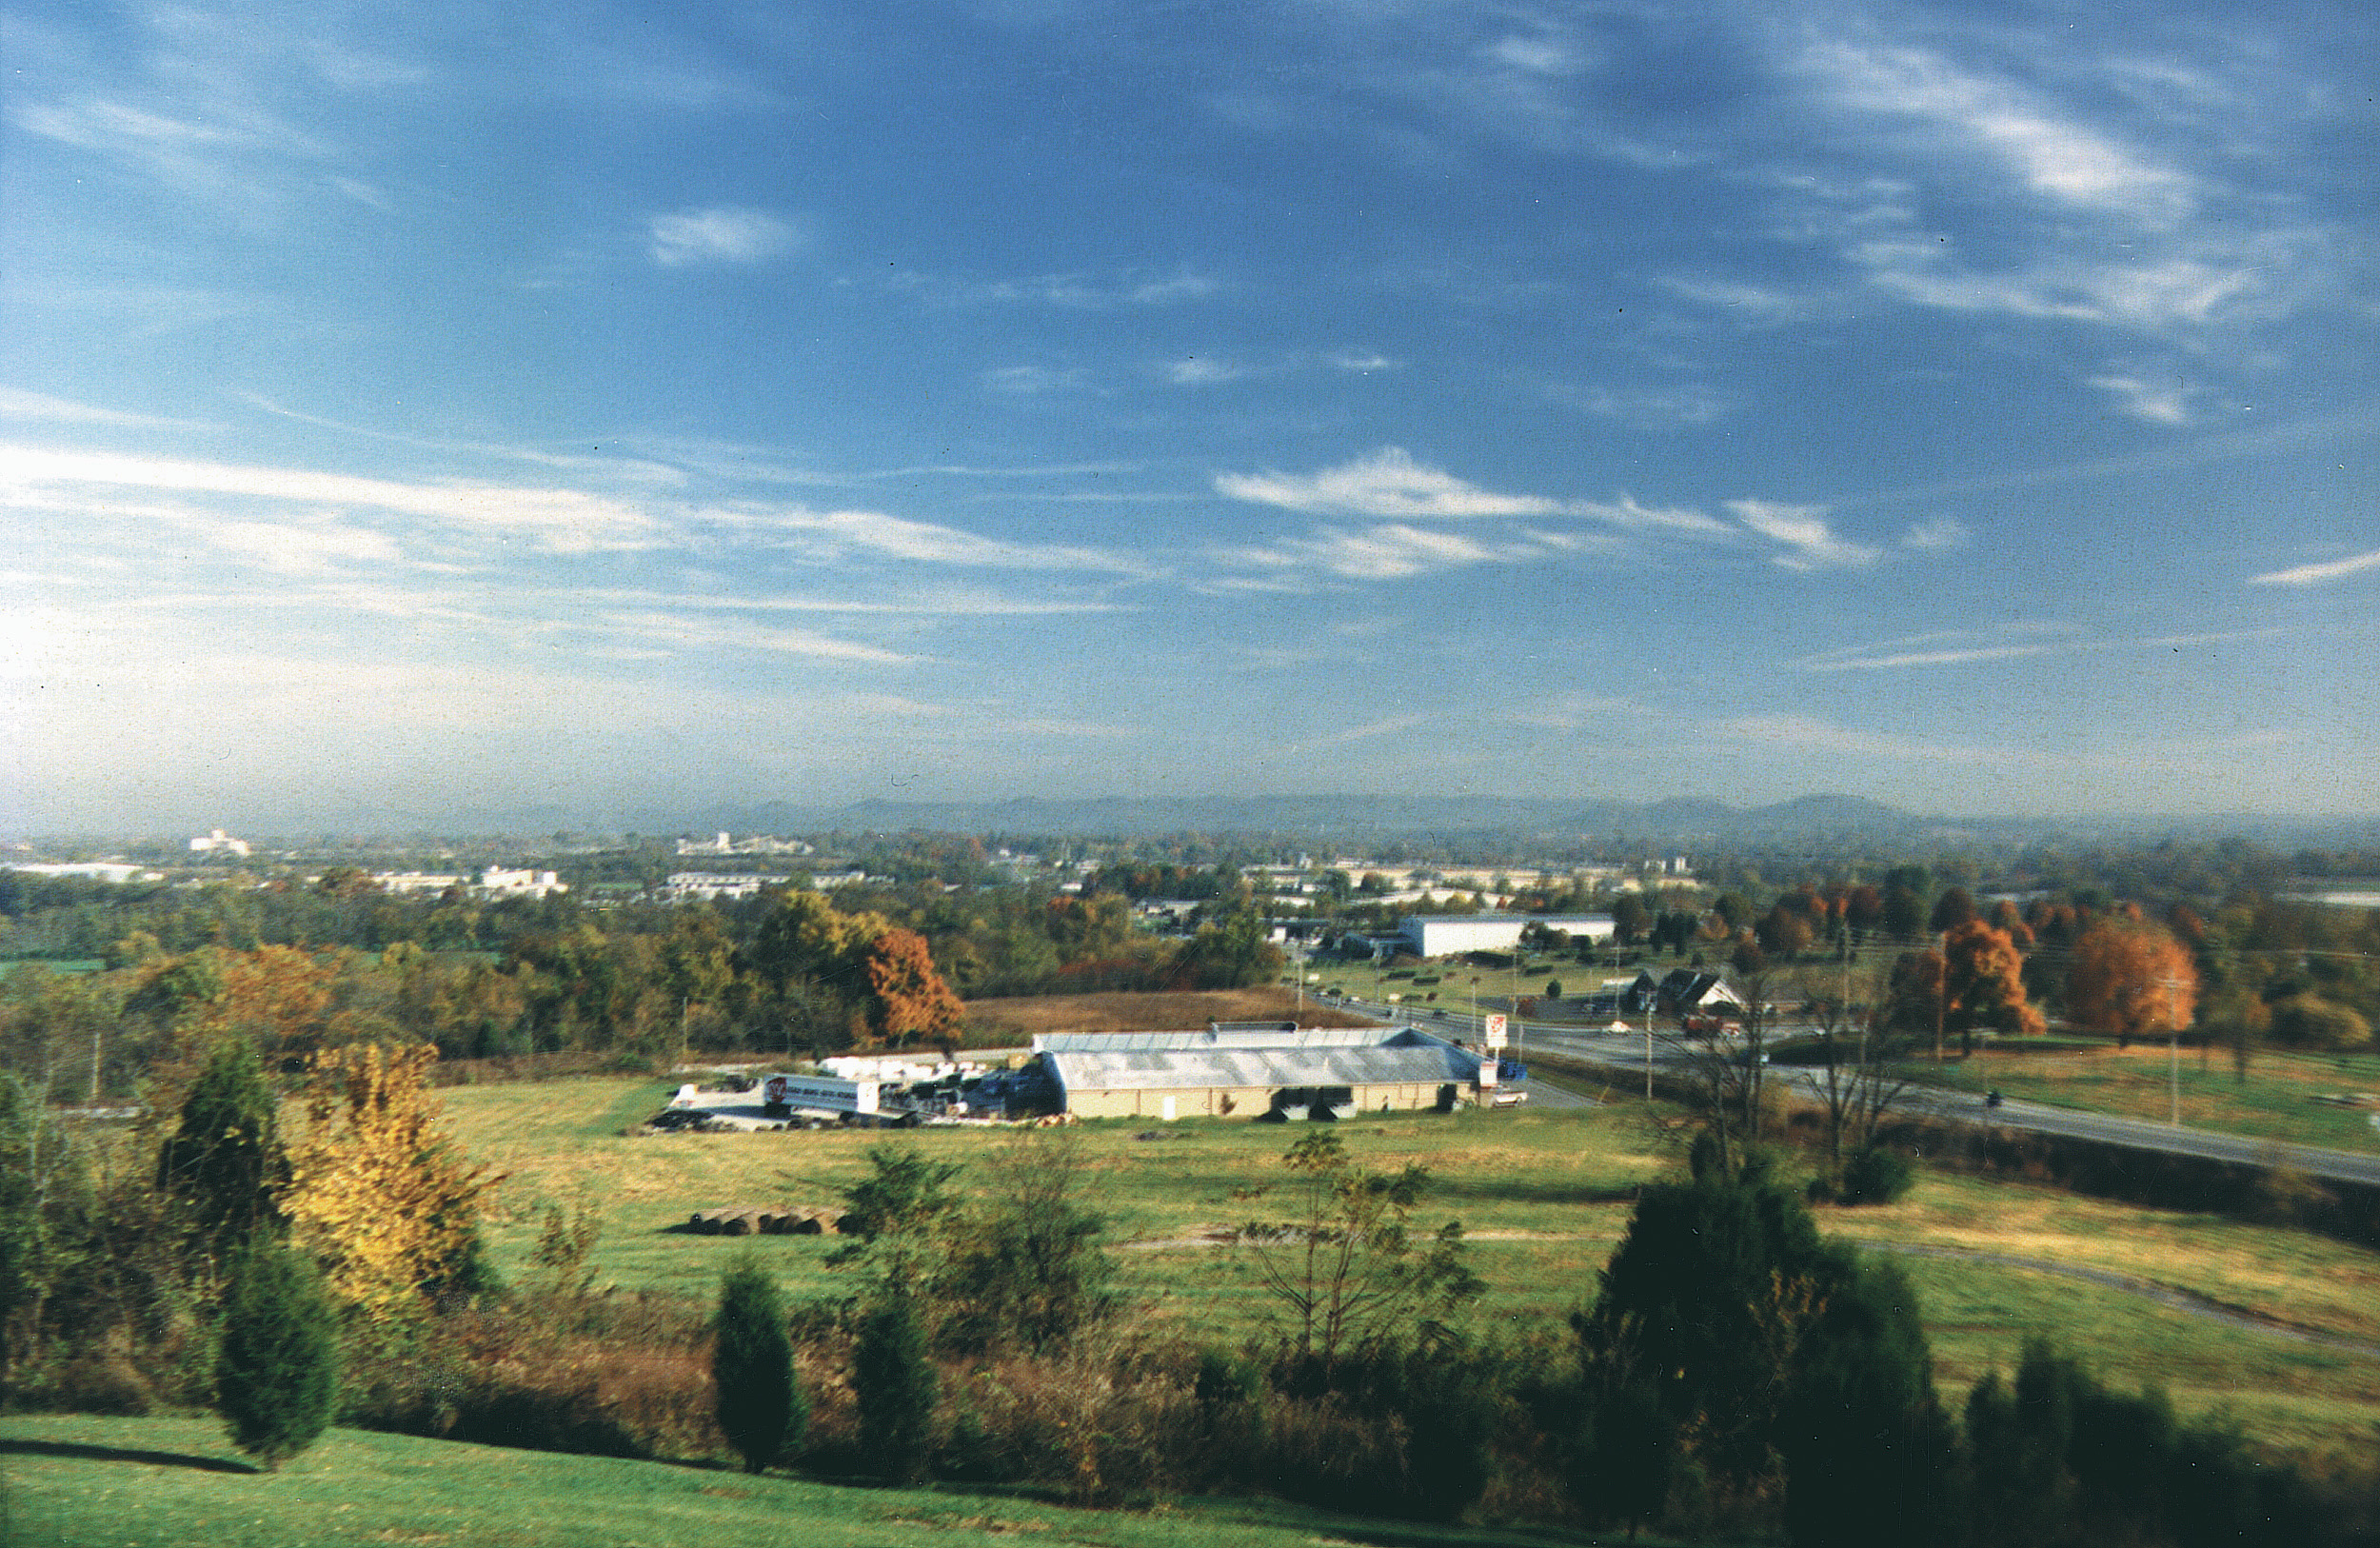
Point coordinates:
pixel 616 408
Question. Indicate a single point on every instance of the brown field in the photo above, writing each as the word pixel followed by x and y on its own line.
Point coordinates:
pixel 1012 1023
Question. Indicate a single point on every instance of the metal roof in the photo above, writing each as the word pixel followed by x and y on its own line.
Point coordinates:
pixel 1215 1037
pixel 1431 1063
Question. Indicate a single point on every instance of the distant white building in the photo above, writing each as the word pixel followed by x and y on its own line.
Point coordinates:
pixel 417 881
pixel 684 884
pixel 498 883
pixel 96 870
pixel 219 840
pixel 1443 935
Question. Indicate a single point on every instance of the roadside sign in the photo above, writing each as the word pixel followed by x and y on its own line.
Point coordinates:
pixel 1492 1030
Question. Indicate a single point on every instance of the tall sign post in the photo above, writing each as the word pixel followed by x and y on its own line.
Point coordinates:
pixel 1492 1037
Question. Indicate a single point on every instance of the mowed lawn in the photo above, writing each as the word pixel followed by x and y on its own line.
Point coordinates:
pixel 1543 1198
pixel 75 1481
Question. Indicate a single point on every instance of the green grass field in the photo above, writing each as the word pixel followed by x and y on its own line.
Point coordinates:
pixel 84 1483
pixel 1543 1198
pixel 2277 1101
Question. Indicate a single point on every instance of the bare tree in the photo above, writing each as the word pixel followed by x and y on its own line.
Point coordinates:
pixel 1856 1079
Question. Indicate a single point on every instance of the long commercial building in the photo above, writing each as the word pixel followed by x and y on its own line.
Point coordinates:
pixel 1230 1071
pixel 1443 935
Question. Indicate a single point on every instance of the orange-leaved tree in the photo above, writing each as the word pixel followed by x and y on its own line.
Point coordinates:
pixel 909 1002
pixel 2131 980
pixel 377 1186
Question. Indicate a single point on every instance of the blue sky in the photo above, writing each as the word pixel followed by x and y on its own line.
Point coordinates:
pixel 429 408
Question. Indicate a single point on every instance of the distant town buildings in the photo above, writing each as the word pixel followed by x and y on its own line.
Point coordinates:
pixel 220 842
pixel 683 885
pixel 762 844
pixel 494 881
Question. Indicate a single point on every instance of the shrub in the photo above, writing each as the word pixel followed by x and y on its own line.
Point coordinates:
pixel 1875 1175
pixel 277 1372
pixel 760 1410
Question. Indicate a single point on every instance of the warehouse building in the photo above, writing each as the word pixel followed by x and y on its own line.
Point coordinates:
pixel 1241 1070
pixel 1445 935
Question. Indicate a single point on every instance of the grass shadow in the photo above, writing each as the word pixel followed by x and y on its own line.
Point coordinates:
pixel 82 1452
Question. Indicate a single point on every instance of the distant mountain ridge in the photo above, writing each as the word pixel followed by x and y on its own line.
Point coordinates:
pixel 1805 817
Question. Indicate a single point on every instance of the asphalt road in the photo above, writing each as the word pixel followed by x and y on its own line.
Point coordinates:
pixel 1627 1050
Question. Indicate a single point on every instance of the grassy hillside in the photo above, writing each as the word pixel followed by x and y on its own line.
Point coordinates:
pixel 82 1482
pixel 1544 1197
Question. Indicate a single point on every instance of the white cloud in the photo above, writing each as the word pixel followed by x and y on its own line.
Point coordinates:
pixel 2154 402
pixel 1130 287
pixel 1808 542
pixel 1194 372
pixel 1389 482
pixel 725 235
pixel 897 537
pixel 1935 536
pixel 18 403
pixel 679 630
pixel 1649 406
pixel 2334 569
pixel 1029 380
pixel 2051 154
pixel 558 521
pixel 1389 553
pixel 1810 735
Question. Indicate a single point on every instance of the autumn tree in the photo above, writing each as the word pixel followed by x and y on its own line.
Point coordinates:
pixel 1978 986
pixel 909 1002
pixel 2131 980
pixel 376 1185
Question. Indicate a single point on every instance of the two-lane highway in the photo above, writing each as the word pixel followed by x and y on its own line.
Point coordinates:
pixel 1626 1050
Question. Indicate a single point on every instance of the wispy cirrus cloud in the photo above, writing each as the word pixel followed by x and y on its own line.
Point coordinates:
pixel 2319 574
pixel 1805 541
pixel 1389 482
pixel 2045 148
pixel 2013 642
pixel 724 234
pixel 330 512
pixel 15 403
pixel 2151 400
pixel 559 520
pixel 1126 288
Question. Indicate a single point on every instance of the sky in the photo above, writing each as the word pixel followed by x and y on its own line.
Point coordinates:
pixel 417 410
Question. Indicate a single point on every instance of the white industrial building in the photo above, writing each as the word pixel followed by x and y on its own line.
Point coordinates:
pixel 1446 934
pixel 1243 1071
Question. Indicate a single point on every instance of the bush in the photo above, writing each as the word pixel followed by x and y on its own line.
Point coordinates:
pixel 760 1410
pixel 1875 1175
pixel 277 1372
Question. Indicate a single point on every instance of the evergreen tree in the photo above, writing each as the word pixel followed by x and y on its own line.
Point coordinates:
pixel 224 1164
pixel 896 1388
pixel 1867 1446
pixel 760 1407
pixel 277 1372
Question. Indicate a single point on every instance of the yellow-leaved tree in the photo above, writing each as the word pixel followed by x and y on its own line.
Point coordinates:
pixel 375 1183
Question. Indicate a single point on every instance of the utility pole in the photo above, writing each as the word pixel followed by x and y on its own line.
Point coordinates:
pixel 2174 1050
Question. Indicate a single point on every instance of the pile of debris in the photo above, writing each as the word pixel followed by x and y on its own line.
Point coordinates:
pixel 767 1221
